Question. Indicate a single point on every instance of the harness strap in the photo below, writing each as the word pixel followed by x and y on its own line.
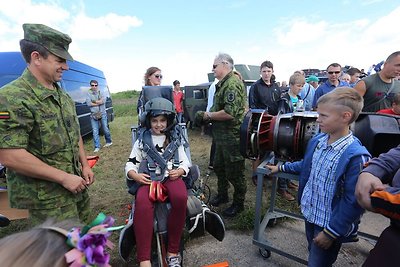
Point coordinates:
pixel 157 164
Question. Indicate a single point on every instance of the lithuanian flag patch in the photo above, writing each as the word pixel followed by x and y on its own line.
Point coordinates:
pixel 4 115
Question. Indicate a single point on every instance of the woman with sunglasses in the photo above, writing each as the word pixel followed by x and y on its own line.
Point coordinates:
pixel 152 77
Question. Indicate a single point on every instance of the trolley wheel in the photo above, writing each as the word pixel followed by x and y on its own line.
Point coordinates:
pixel 272 222
pixel 264 252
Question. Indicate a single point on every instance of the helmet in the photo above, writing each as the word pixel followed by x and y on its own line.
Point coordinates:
pixel 158 106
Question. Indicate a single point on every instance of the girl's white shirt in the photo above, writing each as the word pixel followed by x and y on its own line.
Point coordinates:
pixel 138 153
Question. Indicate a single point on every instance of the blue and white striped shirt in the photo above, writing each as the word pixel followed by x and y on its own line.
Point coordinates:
pixel 316 201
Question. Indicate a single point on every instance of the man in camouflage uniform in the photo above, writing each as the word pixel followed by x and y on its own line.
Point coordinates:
pixel 227 115
pixel 40 142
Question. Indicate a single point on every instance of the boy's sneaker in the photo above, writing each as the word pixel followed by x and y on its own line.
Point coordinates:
pixel 174 261
pixel 108 144
pixel 96 150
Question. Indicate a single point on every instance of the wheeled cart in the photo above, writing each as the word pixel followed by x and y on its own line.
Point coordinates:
pixel 260 236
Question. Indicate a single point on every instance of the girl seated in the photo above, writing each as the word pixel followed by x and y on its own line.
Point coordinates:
pixel 159 114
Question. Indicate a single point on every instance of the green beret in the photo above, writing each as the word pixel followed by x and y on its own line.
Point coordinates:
pixel 56 42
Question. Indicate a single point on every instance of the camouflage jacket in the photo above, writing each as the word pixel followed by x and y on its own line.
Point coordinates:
pixel 44 122
pixel 230 97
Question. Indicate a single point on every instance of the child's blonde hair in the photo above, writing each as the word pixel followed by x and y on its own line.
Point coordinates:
pixel 345 97
pixel 297 78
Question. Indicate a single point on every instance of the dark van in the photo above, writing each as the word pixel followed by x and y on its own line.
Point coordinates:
pixel 75 82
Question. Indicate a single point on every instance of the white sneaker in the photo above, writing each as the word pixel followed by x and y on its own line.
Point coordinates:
pixel 96 150
pixel 108 144
pixel 174 261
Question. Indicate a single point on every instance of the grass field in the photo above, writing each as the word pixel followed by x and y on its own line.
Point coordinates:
pixel 109 193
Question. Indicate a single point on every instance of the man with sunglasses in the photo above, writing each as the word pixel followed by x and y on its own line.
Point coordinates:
pixel 334 71
pixel 379 89
pixel 226 115
pixel 97 103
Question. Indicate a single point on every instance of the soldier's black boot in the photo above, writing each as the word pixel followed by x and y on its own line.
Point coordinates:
pixel 219 199
pixel 233 210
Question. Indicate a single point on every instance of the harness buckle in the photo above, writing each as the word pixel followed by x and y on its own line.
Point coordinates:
pixel 151 167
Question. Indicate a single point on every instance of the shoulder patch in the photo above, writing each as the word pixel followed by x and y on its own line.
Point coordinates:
pixel 231 97
pixel 4 115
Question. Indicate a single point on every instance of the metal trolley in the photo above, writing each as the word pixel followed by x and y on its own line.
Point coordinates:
pixel 286 136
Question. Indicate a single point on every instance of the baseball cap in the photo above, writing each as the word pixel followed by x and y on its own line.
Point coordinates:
pixel 312 78
pixel 56 42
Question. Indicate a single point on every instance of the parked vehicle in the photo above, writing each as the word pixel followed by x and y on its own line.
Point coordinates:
pixel 75 82
pixel 195 100
pixel 250 74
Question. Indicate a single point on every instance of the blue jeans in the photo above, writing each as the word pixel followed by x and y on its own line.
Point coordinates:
pixel 319 257
pixel 95 128
pixel 180 117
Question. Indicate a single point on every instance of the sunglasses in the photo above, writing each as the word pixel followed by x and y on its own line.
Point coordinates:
pixel 216 65
pixel 333 72
pixel 158 76
pixel 94 85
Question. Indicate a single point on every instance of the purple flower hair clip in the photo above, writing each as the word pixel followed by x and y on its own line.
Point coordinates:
pixel 89 243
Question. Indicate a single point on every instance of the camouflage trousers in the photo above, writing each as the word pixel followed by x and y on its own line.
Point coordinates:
pixel 78 211
pixel 229 168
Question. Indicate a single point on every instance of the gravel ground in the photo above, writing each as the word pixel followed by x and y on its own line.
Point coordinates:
pixel 238 250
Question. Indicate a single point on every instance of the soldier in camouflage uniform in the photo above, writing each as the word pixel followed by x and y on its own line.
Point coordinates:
pixel 40 142
pixel 227 115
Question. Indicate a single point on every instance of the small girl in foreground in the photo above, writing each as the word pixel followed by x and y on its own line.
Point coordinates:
pixel 159 114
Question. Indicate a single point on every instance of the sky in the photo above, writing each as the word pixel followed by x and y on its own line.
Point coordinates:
pixel 125 37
